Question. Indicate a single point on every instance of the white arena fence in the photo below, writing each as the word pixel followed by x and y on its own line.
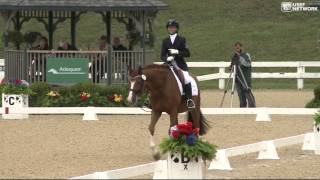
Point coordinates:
pixel 90 113
pixel 266 150
pixel 300 74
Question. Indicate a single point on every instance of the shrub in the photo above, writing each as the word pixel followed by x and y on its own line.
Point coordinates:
pixel 315 102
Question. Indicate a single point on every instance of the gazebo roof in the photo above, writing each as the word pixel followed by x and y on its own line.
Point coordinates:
pixel 82 5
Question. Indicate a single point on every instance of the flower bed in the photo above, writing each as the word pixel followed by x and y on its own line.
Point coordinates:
pixel 78 95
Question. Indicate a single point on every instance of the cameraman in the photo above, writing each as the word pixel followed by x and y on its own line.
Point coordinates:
pixel 242 60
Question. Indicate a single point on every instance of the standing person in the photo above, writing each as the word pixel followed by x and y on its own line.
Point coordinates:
pixel 242 60
pixel 174 48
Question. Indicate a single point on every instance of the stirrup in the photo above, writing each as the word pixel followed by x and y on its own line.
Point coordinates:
pixel 190 104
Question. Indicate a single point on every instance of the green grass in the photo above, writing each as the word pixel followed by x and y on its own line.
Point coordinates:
pixel 212 26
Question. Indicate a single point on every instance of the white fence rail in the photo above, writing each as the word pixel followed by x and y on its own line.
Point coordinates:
pixel 300 74
pixel 266 149
pixel 262 113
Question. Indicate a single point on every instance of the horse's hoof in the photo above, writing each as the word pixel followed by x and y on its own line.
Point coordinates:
pixel 156 156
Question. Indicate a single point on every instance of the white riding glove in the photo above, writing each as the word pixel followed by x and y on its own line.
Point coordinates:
pixel 174 51
pixel 170 58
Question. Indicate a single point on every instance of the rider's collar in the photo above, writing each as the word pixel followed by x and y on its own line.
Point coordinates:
pixel 173 35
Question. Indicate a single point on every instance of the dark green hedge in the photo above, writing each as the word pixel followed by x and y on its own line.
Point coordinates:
pixel 315 102
pixel 70 95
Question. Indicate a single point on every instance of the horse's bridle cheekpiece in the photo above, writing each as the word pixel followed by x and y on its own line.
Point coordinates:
pixel 143 77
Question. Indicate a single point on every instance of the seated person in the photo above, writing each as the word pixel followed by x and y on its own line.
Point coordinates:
pixel 43 45
pixel 117 46
pixel 65 46
pixel 103 43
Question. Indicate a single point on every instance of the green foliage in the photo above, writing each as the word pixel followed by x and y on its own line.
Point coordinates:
pixel 16 37
pixel 316 92
pixel 13 89
pixel 315 102
pixel 70 96
pixel 317 119
pixel 201 148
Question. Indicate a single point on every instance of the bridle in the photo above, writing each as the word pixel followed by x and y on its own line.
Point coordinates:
pixel 135 91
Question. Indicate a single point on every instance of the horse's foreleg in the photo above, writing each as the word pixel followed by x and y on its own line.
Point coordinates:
pixel 154 119
pixel 173 119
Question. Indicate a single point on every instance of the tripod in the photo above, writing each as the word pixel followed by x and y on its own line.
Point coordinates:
pixel 248 93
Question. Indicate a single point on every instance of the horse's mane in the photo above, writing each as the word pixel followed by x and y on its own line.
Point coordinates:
pixel 155 66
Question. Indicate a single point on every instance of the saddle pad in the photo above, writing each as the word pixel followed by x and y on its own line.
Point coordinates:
pixel 194 86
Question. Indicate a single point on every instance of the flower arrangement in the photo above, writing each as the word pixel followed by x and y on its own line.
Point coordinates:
pixel 183 138
pixel 53 94
pixel 16 87
pixel 85 96
pixel 115 98
pixel 316 119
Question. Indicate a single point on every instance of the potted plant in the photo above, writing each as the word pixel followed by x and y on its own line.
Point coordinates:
pixel 317 132
pixel 15 94
pixel 186 151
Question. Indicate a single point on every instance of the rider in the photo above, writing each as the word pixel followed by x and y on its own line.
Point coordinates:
pixel 174 50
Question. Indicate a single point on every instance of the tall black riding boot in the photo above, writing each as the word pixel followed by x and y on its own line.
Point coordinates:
pixel 188 94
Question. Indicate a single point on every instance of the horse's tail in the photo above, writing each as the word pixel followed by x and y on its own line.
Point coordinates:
pixel 204 125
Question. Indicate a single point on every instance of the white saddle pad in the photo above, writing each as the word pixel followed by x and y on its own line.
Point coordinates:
pixel 194 86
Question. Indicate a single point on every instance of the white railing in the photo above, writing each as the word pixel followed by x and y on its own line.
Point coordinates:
pixel 266 150
pixel 90 113
pixel 300 74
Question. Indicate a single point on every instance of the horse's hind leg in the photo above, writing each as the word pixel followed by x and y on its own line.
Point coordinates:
pixel 154 119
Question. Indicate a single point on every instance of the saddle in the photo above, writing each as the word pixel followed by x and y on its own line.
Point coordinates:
pixel 178 73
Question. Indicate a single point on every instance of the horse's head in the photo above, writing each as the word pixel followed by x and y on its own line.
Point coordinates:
pixel 136 82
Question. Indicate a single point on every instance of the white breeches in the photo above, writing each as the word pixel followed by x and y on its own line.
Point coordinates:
pixel 187 77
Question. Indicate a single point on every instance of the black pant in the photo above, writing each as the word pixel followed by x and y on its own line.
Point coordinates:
pixel 242 94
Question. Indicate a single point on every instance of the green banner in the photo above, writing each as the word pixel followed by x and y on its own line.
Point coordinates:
pixel 67 70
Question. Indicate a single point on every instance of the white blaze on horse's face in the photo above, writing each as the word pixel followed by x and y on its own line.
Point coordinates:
pixel 130 96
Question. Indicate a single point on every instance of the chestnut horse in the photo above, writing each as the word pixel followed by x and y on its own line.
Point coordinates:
pixel 165 96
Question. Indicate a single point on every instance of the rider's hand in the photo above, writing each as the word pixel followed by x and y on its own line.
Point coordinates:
pixel 174 51
pixel 170 58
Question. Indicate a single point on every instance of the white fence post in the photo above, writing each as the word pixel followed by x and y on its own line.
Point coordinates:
pixel 221 80
pixel 300 71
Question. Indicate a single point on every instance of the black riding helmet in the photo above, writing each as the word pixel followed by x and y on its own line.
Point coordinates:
pixel 173 23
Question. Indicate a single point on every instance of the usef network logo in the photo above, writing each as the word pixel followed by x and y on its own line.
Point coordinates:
pixel 290 6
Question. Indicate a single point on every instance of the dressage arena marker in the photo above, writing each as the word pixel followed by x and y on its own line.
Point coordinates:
pixel 90 113
pixel 266 149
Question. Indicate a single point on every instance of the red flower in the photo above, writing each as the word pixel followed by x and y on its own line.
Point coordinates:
pixel 3 81
pixel 111 98
pixel 175 135
pixel 18 82
pixel 185 128
pixel 84 98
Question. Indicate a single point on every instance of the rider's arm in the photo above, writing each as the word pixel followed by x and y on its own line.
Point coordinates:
pixel 184 51
pixel 164 51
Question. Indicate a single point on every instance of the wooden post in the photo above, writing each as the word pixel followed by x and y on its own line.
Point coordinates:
pixel 73 29
pixel 109 51
pixel 50 29
pixel 142 38
pixel 18 27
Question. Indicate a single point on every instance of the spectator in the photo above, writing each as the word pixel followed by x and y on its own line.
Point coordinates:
pixel 117 46
pixel 43 45
pixel 103 43
pixel 65 46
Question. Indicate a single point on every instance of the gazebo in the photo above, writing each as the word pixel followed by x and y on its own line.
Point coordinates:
pixel 105 66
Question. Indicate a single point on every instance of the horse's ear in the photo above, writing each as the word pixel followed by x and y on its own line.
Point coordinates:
pixel 140 70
